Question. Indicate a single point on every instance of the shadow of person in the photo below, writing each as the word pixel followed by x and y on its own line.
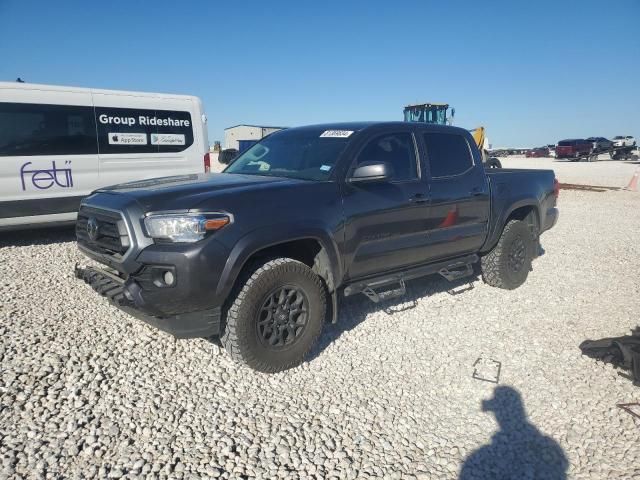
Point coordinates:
pixel 518 450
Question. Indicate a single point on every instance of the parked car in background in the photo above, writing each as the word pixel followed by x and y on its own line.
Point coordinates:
pixel 624 141
pixel 600 144
pixel 552 150
pixel 573 148
pixel 537 152
pixel 227 155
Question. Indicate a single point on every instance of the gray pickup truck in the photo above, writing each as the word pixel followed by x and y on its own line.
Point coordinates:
pixel 260 254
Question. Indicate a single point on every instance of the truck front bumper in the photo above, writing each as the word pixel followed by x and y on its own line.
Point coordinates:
pixel 127 296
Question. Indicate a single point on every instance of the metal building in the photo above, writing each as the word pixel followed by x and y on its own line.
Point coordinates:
pixel 233 135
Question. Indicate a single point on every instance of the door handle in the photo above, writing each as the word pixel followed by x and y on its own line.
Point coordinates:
pixel 418 198
pixel 476 192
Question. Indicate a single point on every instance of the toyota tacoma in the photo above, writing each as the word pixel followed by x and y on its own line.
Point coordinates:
pixel 258 256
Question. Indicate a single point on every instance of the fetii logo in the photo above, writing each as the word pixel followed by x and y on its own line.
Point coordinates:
pixel 45 178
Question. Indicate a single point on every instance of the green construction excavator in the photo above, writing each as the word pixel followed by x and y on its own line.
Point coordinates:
pixel 438 113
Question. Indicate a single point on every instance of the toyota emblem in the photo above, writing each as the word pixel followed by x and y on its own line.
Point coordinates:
pixel 92 228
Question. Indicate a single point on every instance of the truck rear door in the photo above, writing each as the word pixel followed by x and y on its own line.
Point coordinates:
pixel 459 195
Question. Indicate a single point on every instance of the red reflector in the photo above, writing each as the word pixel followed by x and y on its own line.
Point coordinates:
pixel 556 188
pixel 207 162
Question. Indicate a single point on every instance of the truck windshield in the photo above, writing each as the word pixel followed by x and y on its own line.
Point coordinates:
pixel 307 154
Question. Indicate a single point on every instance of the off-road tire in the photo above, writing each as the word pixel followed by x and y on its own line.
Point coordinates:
pixel 495 265
pixel 240 335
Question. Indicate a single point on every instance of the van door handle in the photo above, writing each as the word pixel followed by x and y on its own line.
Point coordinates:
pixel 476 192
pixel 418 198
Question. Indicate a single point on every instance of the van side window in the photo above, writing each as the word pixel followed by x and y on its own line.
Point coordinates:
pixel 34 129
pixel 396 149
pixel 448 154
pixel 135 130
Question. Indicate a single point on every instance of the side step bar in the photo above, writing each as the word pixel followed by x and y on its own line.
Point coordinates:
pixel 449 269
pixel 377 297
pixel 454 272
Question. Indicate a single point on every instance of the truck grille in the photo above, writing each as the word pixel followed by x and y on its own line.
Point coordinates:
pixel 102 231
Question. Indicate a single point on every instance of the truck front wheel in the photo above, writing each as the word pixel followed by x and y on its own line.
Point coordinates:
pixel 508 264
pixel 275 316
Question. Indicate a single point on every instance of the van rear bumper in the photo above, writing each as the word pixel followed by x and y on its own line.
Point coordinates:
pixel 125 294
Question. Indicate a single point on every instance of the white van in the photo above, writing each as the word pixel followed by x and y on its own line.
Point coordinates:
pixel 57 144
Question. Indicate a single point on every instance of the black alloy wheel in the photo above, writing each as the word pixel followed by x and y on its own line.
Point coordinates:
pixel 283 317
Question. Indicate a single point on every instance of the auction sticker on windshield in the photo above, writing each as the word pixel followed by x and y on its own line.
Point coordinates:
pixel 336 133
pixel 127 138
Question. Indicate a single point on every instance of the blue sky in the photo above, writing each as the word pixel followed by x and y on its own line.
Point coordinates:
pixel 530 72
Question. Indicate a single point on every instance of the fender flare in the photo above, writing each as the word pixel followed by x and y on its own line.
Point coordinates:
pixel 270 236
pixel 525 202
pixel 495 234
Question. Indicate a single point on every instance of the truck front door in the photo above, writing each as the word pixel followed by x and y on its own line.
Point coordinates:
pixel 386 222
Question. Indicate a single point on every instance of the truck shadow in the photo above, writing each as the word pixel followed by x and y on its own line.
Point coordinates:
pixel 518 449
pixel 354 310
pixel 37 236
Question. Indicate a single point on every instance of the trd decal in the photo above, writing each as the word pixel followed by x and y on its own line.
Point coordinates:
pixel 45 178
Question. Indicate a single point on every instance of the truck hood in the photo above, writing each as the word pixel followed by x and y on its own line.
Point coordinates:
pixel 184 192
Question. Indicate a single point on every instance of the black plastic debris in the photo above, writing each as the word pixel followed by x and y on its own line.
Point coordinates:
pixel 629 408
pixel 621 352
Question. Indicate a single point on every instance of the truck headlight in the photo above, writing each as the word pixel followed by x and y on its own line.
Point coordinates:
pixel 183 227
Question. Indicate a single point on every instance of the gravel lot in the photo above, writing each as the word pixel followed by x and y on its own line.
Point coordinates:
pixel 86 391
pixel 605 172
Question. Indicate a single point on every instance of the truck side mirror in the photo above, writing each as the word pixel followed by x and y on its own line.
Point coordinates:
pixel 372 172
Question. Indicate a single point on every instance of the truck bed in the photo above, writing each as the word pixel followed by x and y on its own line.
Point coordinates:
pixel 499 171
pixel 511 187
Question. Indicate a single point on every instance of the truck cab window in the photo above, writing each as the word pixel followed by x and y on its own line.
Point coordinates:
pixel 306 154
pixel 448 154
pixel 397 150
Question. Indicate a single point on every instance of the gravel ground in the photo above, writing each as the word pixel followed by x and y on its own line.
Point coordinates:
pixel 606 172
pixel 86 391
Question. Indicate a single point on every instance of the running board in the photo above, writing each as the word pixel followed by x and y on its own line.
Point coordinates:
pixel 453 273
pixel 449 269
pixel 377 297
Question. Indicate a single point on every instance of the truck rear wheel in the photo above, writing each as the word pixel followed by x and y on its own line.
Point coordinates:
pixel 275 316
pixel 508 264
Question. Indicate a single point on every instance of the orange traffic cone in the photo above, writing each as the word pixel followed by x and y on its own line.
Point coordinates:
pixel 633 183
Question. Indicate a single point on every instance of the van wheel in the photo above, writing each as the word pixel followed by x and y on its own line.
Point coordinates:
pixel 275 316
pixel 493 163
pixel 508 264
